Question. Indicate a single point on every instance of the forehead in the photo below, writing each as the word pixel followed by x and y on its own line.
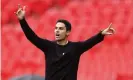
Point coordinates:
pixel 60 24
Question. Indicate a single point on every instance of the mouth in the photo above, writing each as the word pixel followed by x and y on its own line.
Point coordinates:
pixel 57 35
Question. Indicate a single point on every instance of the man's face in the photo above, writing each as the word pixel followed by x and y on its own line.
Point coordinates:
pixel 60 31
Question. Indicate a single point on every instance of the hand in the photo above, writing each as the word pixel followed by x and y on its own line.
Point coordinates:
pixel 109 30
pixel 20 12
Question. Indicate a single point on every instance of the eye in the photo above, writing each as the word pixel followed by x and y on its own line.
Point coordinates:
pixel 61 28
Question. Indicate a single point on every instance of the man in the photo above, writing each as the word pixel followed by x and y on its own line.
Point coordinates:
pixel 62 56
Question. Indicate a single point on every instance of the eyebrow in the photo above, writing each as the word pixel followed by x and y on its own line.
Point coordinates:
pixel 59 27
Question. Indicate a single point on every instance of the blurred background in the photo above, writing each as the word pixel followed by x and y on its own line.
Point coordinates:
pixel 112 59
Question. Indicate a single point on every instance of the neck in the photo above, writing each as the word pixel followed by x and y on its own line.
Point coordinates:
pixel 62 42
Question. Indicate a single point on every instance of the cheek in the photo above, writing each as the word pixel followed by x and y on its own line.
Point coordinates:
pixel 63 33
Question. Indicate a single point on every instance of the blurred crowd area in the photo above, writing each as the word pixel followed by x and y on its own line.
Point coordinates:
pixel 112 59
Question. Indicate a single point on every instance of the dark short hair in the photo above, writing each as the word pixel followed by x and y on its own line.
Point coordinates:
pixel 67 24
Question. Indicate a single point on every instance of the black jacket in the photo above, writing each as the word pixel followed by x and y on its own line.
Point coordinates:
pixel 61 61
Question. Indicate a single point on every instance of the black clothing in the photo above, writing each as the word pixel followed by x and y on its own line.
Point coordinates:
pixel 61 61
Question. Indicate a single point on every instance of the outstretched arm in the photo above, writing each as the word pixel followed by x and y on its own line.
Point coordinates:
pixel 30 35
pixel 89 43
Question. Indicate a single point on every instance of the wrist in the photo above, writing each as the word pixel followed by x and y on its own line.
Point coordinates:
pixel 21 18
pixel 102 32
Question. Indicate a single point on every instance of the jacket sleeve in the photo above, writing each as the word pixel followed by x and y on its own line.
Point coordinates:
pixel 42 44
pixel 89 43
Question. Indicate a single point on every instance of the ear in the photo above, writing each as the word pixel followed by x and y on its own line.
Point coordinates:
pixel 67 33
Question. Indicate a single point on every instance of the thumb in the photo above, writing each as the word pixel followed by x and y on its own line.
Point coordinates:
pixel 24 8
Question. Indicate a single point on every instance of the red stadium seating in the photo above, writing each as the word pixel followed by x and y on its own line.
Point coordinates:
pixel 125 77
pixel 111 59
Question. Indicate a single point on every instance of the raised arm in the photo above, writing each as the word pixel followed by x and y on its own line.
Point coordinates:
pixel 42 44
pixel 89 43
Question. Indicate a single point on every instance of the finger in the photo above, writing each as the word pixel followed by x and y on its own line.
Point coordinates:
pixel 109 25
pixel 15 13
pixel 109 33
pixel 112 30
pixel 24 8
pixel 19 10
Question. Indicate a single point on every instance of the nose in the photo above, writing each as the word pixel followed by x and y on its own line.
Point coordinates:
pixel 57 30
